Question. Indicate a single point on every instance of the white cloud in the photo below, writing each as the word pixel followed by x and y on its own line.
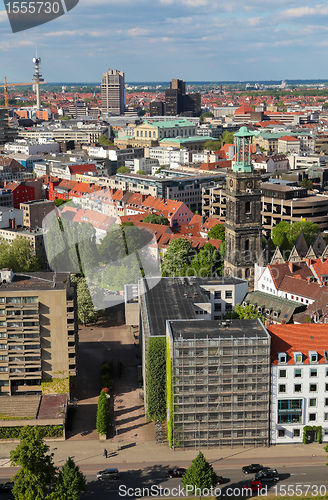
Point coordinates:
pixel 138 32
pixel 317 10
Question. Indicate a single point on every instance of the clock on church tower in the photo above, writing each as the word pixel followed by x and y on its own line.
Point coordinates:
pixel 243 212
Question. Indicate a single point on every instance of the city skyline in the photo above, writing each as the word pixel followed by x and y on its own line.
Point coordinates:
pixel 188 39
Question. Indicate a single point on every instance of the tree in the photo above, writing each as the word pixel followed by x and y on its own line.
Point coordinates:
pixel 103 140
pixel 307 183
pixel 207 114
pixel 59 202
pixel 177 257
pixel 37 472
pixel 208 262
pixel 212 145
pixel 85 309
pixel 141 172
pixel 200 476
pixel 285 235
pixel 19 256
pixel 102 414
pixel 70 483
pixel 227 137
pixel 217 232
pixel 123 170
pixel 156 219
pixel 245 312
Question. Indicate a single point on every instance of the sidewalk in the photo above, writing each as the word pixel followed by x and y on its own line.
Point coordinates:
pixel 86 451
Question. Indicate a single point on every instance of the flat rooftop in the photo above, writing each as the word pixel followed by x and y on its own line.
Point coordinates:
pixel 36 281
pixel 226 329
pixel 174 298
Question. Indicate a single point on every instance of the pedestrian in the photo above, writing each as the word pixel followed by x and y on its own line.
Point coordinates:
pixel 105 453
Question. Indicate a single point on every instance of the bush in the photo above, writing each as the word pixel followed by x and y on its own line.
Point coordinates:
pixel 102 414
pixel 46 431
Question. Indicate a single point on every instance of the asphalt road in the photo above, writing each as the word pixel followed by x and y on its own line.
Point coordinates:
pixel 302 480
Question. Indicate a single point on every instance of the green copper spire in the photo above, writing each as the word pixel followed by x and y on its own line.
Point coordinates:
pixel 243 150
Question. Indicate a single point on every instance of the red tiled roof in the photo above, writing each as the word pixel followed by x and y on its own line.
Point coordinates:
pixel 288 138
pixel 82 169
pixel 298 338
pixel 245 109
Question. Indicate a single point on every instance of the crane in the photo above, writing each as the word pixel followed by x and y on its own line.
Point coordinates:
pixel 6 85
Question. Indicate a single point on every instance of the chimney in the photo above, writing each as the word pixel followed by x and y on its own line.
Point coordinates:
pixel 13 223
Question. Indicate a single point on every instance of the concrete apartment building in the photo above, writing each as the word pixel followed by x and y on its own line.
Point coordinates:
pixel 35 211
pixel 112 92
pixel 219 380
pixel 80 134
pixel 34 236
pixel 38 330
pixel 299 383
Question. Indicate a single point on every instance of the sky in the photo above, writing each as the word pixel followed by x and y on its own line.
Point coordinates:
pixel 157 40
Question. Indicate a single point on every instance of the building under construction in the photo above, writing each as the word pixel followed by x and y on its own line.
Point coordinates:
pixel 218 394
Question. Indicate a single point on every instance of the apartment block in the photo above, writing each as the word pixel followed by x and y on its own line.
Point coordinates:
pixel 299 383
pixel 35 211
pixel 219 378
pixel 38 330
pixel 112 92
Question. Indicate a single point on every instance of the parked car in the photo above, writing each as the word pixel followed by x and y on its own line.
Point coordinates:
pixel 177 472
pixel 254 485
pixel 220 480
pixel 108 474
pixel 249 469
pixel 267 475
pixel 6 487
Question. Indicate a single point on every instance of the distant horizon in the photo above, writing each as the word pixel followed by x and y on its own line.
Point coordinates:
pixel 200 82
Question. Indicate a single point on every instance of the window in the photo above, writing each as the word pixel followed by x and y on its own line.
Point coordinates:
pixel 297 372
pixel 297 388
pixel 30 300
pixel 228 294
pixel 326 417
pixel 313 356
pixel 14 300
pixel 217 295
pixel 281 433
pixel 282 357
pixel 296 433
pixel 217 307
pixel 282 387
pixel 228 307
pixel 313 372
pixel 313 401
pixel 313 387
pixel 326 359
pixel 247 245
pixel 248 207
pixel 312 417
pixel 298 357
pixel 282 373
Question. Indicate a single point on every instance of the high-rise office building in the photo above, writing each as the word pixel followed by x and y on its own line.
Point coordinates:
pixel 113 92
pixel 178 102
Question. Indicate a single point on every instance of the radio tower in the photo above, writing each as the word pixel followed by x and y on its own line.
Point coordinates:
pixel 37 79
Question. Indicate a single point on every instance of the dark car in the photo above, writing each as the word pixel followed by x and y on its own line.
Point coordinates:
pixel 220 480
pixel 6 487
pixel 249 469
pixel 254 485
pixel 267 475
pixel 177 472
pixel 108 474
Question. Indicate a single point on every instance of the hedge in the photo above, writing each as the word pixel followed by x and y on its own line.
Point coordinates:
pixel 102 414
pixel 156 378
pixel 169 396
pixel 46 431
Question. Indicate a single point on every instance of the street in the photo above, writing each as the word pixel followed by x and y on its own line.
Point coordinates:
pixel 310 480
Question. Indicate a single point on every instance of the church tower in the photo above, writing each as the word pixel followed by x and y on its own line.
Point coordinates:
pixel 243 212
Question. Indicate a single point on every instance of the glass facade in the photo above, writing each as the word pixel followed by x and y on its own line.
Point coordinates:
pixel 290 411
